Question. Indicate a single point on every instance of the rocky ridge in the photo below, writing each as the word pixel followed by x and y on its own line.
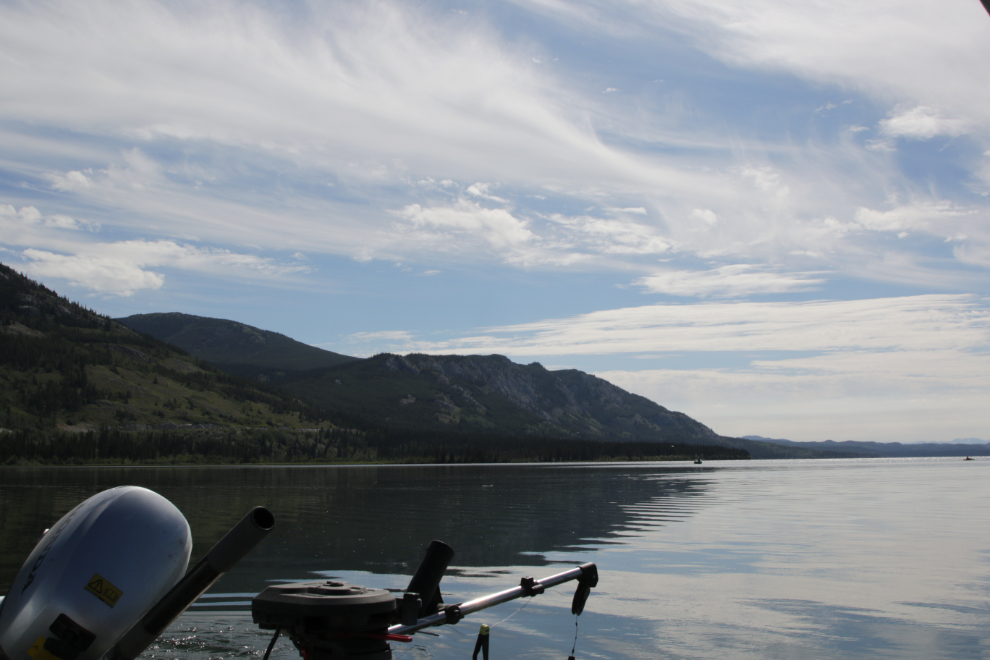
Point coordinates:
pixel 495 394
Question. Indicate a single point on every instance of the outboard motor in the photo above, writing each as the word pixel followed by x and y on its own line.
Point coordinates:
pixel 93 575
pixel 107 579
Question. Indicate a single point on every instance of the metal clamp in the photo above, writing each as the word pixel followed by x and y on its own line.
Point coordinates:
pixel 531 587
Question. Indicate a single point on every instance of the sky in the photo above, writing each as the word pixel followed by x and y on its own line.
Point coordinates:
pixel 773 216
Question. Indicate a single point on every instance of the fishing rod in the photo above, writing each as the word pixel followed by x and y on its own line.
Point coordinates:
pixel 110 576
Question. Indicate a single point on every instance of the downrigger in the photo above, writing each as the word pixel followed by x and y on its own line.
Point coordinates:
pixel 110 576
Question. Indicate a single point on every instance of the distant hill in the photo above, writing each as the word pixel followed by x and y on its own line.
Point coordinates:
pixel 65 366
pixel 491 393
pixel 233 347
pixel 465 395
pixel 887 449
pixel 478 394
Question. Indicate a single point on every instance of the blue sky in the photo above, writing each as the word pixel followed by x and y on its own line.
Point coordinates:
pixel 770 215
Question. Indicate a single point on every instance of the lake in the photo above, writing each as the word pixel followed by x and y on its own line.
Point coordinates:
pixel 878 558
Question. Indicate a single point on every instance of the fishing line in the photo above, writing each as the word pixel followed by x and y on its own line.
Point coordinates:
pixel 525 604
pixel 484 635
pixel 455 629
pixel 574 646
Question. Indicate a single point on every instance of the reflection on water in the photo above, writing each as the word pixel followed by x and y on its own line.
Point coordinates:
pixel 773 559
pixel 377 519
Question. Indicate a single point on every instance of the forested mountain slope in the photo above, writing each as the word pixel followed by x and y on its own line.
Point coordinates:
pixel 63 365
pixel 238 349
pixel 492 394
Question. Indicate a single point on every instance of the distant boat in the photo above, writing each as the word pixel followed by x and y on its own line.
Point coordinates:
pixel 965 459
pixel 697 461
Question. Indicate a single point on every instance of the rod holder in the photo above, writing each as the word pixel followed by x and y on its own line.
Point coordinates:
pixel 426 580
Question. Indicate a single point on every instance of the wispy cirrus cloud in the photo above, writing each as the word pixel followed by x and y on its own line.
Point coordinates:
pixel 901 396
pixel 13 220
pixel 614 234
pixel 892 369
pixel 189 136
pixel 941 218
pixel 915 51
pixel 926 322
pixel 736 281
pixel 415 89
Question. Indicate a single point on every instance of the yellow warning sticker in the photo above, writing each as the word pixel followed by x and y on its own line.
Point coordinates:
pixel 39 652
pixel 101 587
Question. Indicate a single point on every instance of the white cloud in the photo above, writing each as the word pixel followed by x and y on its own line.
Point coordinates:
pixel 940 218
pixel 913 50
pixel 387 103
pixel 417 89
pixel 62 222
pixel 920 123
pixel 26 215
pixel 894 369
pixel 498 227
pixel 913 323
pixel 73 180
pixel 707 216
pixel 901 396
pixel 973 254
pixel 17 221
pixel 365 344
pixel 767 179
pixel 483 190
pixel 611 236
pixel 124 267
pixel 390 102
pixel 382 97
pixel 389 335
pixel 735 281
pixel 103 274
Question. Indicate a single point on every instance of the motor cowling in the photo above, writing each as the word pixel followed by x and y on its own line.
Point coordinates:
pixel 93 575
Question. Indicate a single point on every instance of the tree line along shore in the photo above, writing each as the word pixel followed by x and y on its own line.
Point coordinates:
pixel 113 446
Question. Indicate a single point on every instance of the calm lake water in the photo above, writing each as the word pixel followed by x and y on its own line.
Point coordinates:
pixel 761 559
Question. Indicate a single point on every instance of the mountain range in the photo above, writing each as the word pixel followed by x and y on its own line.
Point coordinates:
pixel 476 395
pixel 65 366
pixel 963 447
pixel 486 394
pixel 479 394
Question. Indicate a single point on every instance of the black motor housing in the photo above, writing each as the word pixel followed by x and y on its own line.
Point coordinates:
pixel 328 620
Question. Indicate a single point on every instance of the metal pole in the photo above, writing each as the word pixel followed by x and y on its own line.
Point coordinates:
pixel 221 558
pixel 478 604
